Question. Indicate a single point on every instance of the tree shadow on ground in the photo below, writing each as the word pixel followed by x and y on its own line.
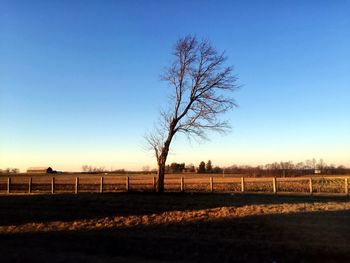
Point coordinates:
pixel 297 237
pixel 22 209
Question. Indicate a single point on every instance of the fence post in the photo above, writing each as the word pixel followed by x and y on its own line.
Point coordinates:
pixel 182 184
pixel 211 184
pixel 127 182
pixel 274 186
pixel 242 184
pixel 76 184
pixel 52 185
pixel 346 186
pixel 154 183
pixel 310 185
pixel 8 184
pixel 101 184
pixel 30 185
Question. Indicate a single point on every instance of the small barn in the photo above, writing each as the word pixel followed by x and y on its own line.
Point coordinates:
pixel 40 170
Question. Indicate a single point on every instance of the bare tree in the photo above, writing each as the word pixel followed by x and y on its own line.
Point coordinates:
pixel 199 83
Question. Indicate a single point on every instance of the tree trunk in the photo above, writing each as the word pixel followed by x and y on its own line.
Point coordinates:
pixel 162 158
pixel 160 177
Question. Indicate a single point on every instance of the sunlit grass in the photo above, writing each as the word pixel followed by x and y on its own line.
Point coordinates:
pixel 177 217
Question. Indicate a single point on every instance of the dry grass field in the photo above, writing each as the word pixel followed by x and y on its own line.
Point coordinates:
pixel 70 183
pixel 176 227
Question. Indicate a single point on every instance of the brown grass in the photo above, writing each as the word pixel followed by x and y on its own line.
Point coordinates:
pixel 193 183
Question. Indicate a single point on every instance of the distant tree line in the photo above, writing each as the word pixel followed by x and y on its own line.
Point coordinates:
pixel 9 171
pixel 92 169
pixel 286 169
pixel 97 170
pixel 190 168
pixel 208 168
pixel 289 168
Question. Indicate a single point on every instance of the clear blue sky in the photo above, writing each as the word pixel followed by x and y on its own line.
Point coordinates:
pixel 79 80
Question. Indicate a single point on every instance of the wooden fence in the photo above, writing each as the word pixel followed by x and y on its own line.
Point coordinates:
pixel 88 184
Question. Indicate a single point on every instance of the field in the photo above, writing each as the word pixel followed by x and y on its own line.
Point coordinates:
pixel 186 227
pixel 229 183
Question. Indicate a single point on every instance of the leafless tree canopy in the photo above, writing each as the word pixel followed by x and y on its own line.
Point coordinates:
pixel 200 85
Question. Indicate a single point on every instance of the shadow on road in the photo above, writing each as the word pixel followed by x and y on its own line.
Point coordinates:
pixel 21 209
pixel 299 237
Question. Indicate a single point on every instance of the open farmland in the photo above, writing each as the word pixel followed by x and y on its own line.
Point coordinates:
pixel 228 183
pixel 200 227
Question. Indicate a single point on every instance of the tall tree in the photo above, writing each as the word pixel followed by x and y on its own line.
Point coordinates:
pixel 209 167
pixel 201 167
pixel 199 83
